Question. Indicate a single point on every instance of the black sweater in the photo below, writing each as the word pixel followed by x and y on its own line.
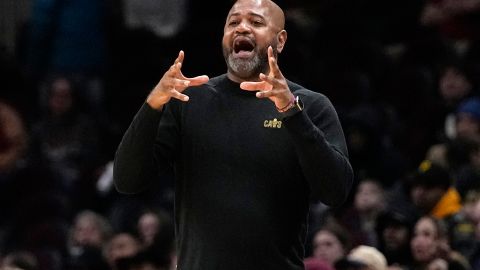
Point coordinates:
pixel 244 176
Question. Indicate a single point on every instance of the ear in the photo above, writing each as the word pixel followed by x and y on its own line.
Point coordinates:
pixel 281 39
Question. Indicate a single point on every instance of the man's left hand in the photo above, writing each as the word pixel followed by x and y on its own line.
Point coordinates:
pixel 274 86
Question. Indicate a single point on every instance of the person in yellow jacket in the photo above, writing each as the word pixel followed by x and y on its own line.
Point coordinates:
pixel 432 191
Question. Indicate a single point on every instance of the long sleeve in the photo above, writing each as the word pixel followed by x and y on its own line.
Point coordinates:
pixel 136 163
pixel 320 144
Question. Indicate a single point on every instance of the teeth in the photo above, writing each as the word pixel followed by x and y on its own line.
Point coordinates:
pixel 243 44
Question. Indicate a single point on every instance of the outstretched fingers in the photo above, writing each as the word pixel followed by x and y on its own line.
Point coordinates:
pixel 272 62
pixel 269 79
pixel 179 82
pixel 199 80
pixel 176 94
pixel 252 86
pixel 265 94
pixel 180 57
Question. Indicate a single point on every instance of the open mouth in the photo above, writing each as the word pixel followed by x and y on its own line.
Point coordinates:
pixel 243 47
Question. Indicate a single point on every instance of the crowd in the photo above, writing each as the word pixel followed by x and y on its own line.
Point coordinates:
pixel 403 76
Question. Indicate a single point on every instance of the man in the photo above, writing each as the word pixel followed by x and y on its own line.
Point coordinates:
pixel 247 154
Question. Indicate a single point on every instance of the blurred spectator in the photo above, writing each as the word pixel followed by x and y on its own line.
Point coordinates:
pixel 69 37
pixel 430 246
pixel 370 256
pixel 455 19
pixel 468 119
pixel 20 260
pixel 121 245
pixel 13 138
pixel 432 192
pixel 463 155
pixel 461 226
pixel 13 143
pixel 394 228
pixel 369 143
pixel 155 229
pixel 154 226
pixel 29 220
pixel 89 230
pixel 330 243
pixel 89 234
pixel 361 218
pixel 64 139
pixel 475 257
pixel 455 85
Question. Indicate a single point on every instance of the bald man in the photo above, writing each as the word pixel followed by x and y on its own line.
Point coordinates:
pixel 249 150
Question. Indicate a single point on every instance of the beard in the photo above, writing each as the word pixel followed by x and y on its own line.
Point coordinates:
pixel 249 68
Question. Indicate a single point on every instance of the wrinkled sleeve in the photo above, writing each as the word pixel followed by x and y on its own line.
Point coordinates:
pixel 320 144
pixel 141 155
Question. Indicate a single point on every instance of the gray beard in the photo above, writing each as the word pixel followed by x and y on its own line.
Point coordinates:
pixel 246 68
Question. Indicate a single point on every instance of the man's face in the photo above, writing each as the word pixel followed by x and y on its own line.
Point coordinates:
pixel 425 198
pixel 395 236
pixel 251 27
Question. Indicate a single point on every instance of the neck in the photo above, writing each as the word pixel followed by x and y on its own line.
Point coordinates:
pixel 238 79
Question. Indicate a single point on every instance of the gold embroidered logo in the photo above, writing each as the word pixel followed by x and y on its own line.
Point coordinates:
pixel 272 123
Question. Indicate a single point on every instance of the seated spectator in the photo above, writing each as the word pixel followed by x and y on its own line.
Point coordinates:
pixel 432 192
pixel 474 211
pixel 468 119
pixel 394 228
pixel 13 138
pixel 360 220
pixel 330 243
pixel 89 230
pixel 370 256
pixel 23 260
pixel 461 226
pixel 153 225
pixel 454 19
pixel 430 246
pixel 121 245
pixel 65 140
pixel 88 236
pixel 463 155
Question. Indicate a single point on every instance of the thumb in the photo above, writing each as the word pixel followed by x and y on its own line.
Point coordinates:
pixel 251 86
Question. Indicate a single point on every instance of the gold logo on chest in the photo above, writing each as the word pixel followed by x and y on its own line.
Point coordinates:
pixel 272 123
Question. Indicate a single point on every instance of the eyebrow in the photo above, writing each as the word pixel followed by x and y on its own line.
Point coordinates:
pixel 250 14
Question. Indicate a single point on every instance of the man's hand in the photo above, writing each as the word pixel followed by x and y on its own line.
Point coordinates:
pixel 172 84
pixel 274 86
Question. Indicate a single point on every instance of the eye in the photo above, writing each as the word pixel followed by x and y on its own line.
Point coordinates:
pixel 233 23
pixel 257 23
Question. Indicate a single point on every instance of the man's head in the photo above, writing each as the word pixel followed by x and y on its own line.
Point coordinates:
pixel 428 185
pixel 251 27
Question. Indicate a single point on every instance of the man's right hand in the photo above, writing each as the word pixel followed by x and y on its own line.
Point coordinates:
pixel 172 84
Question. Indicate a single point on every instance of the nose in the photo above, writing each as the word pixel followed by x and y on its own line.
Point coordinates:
pixel 243 27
